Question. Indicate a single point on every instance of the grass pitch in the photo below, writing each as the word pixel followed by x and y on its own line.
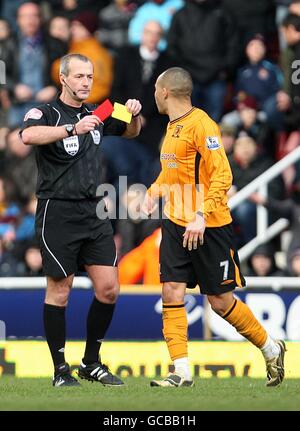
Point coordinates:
pixel 238 394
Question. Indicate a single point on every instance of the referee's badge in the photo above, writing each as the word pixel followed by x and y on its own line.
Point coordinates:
pixel 71 145
pixel 96 136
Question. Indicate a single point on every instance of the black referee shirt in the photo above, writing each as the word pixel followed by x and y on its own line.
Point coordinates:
pixel 70 168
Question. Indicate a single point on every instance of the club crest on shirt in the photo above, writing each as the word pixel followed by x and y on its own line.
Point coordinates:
pixel 34 114
pixel 212 143
pixel 177 131
pixel 96 136
pixel 71 145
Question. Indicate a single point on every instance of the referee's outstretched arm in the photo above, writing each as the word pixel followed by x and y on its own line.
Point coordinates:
pixel 43 135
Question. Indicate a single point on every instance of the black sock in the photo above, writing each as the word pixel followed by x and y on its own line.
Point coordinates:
pixel 55 331
pixel 98 321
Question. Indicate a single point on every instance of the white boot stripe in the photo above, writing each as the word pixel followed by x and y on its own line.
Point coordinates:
pixel 95 371
pixel 101 377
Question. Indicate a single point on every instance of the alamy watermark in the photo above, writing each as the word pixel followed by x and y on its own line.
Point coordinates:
pixel 2 331
pixel 296 74
pixel 179 200
pixel 2 72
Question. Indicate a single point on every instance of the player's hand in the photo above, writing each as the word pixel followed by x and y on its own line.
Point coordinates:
pixel 86 124
pixel 194 233
pixel 133 106
pixel 149 204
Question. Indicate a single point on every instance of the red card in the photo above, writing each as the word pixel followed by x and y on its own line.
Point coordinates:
pixel 104 110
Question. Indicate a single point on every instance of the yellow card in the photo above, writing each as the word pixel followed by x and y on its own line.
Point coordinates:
pixel 120 112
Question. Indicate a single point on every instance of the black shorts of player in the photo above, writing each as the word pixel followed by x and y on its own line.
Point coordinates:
pixel 71 236
pixel 214 266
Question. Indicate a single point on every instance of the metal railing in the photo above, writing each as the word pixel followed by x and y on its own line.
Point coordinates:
pixel 264 232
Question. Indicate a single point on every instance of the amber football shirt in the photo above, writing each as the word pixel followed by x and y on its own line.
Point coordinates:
pixel 195 172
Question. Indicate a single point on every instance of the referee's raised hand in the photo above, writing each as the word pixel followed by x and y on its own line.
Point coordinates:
pixel 86 124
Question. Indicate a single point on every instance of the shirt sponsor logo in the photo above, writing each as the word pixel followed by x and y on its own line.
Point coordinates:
pixel 71 145
pixel 34 114
pixel 96 136
pixel 172 165
pixel 168 156
pixel 212 143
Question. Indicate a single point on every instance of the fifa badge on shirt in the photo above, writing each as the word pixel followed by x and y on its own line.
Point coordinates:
pixel 71 145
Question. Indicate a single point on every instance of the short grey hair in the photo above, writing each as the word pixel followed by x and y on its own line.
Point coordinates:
pixel 65 62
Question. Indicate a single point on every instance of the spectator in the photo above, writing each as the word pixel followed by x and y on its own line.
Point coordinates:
pixel 9 266
pixel 287 208
pixel 161 11
pixel 255 16
pixel 138 158
pixel 248 121
pixel 25 229
pixel 290 102
pixel 141 265
pixel 59 27
pixel 83 42
pixel 6 46
pixel 9 212
pixel 114 21
pixel 32 260
pixel 8 10
pixel 262 80
pixel 28 67
pixel 294 7
pixel 246 165
pixel 262 262
pixel 228 134
pixel 203 39
pixel 71 8
pixel 293 263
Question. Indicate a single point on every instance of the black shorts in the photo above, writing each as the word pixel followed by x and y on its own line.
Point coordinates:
pixel 214 266
pixel 71 236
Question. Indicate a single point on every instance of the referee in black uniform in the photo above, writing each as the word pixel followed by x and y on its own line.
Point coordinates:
pixel 67 138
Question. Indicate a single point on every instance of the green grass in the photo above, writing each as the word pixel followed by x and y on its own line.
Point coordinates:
pixel 208 394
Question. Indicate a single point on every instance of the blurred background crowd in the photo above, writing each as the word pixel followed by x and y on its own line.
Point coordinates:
pixel 244 58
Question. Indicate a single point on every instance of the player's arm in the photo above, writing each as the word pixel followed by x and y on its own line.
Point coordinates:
pixel 208 143
pixel 134 127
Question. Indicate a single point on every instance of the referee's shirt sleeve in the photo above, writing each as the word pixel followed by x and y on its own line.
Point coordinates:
pixel 38 116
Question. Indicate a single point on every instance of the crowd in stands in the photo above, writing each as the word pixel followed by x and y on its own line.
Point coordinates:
pixel 244 58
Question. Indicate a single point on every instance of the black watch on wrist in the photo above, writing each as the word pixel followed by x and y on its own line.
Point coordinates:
pixel 69 129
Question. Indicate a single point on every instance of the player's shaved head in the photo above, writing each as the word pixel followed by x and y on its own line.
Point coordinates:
pixel 177 81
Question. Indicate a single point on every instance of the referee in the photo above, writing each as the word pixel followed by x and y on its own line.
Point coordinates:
pixel 67 138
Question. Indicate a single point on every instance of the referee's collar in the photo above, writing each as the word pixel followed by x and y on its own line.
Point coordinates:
pixel 71 110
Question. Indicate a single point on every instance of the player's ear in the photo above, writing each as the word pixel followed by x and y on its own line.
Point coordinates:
pixel 165 92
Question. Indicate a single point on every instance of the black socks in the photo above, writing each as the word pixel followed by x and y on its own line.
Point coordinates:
pixel 55 331
pixel 98 321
